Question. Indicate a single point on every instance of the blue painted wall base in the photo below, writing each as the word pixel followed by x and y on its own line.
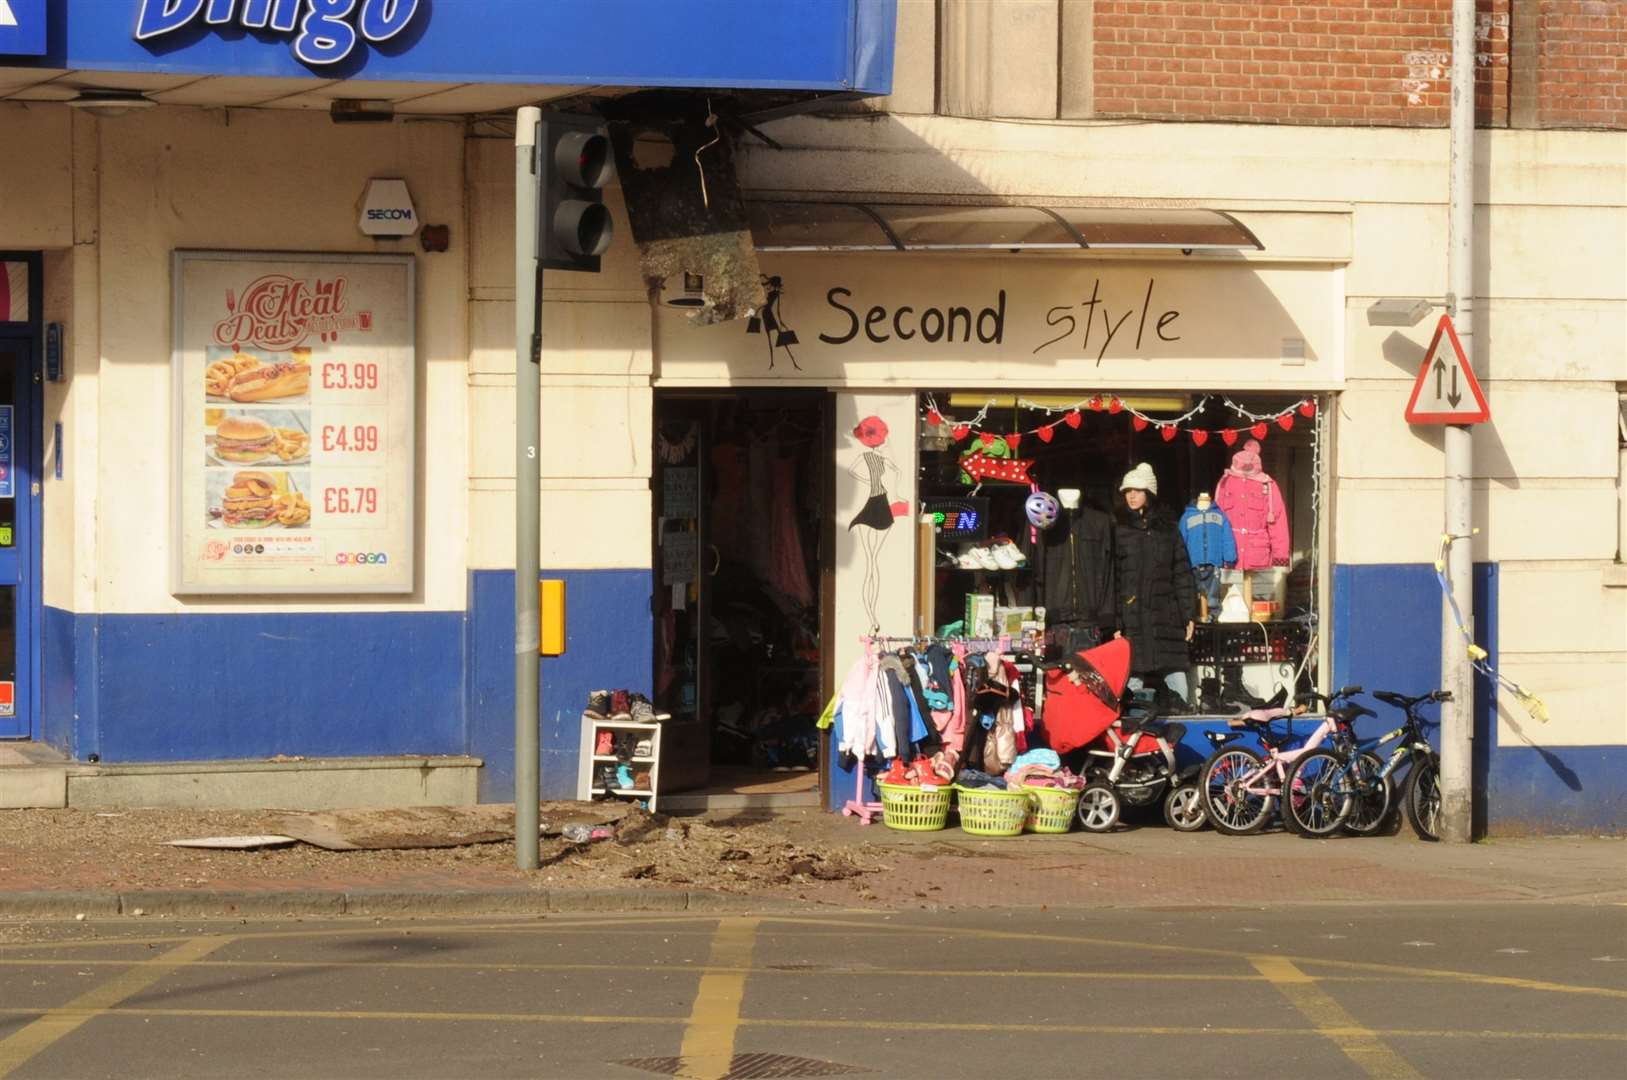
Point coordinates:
pixel 198 687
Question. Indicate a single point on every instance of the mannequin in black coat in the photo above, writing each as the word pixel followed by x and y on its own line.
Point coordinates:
pixel 1157 602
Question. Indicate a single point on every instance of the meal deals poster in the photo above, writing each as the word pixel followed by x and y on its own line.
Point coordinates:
pixel 294 405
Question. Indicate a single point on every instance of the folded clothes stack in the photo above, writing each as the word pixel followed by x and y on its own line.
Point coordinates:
pixel 1042 768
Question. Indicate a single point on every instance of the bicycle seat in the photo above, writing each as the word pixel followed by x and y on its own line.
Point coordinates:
pixel 1346 714
pixel 1222 738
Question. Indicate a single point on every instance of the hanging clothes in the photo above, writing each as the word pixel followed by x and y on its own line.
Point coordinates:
pixel 787 569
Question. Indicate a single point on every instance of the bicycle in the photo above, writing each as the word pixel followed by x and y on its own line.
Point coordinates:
pixel 1351 787
pixel 1240 786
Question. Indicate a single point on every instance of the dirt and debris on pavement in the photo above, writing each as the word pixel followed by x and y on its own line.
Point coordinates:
pixel 446 847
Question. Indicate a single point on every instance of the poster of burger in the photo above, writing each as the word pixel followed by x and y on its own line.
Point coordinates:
pixel 294 388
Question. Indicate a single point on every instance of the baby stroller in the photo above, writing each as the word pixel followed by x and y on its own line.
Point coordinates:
pixel 1130 754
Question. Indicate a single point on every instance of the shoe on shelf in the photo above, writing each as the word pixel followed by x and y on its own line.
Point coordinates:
pixel 968 561
pixel 624 778
pixel 1002 556
pixel 598 704
pixel 604 776
pixel 604 745
pixel 643 710
pixel 620 705
pixel 642 748
pixel 985 558
pixel 641 780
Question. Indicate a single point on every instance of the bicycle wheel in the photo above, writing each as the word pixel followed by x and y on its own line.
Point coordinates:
pixel 1424 797
pixel 1319 794
pixel 1232 808
pixel 1183 809
pixel 1374 797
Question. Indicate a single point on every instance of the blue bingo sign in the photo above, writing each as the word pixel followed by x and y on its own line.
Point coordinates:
pixel 8 482
pixel 22 27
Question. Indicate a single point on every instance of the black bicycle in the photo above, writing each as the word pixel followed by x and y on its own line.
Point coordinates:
pixel 1350 786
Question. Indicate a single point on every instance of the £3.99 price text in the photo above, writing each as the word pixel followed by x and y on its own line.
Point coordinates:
pixel 361 375
pixel 350 500
pixel 350 438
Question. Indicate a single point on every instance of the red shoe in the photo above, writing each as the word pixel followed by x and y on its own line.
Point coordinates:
pixel 896 774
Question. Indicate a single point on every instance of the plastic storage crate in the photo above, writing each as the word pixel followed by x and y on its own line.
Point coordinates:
pixel 1249 643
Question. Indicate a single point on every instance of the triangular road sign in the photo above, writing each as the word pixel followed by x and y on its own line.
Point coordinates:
pixel 1446 391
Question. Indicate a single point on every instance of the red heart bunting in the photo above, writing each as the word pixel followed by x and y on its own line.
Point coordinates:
pixel 934 417
pixel 1286 421
pixel 1115 406
pixel 1199 437
pixel 1095 405
pixel 987 437
pixel 1074 418
pixel 1307 408
pixel 1168 432
pixel 1229 437
pixel 1046 433
pixel 1139 423
pixel 1014 440
pixel 1259 430
pixel 960 431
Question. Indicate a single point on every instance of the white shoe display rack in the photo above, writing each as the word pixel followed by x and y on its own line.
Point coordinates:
pixel 588 761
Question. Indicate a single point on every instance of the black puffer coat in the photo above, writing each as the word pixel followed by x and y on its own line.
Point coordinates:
pixel 1155 592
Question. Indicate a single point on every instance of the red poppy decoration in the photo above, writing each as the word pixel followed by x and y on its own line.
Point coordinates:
pixel 1014 440
pixel 1286 421
pixel 934 417
pixel 1115 406
pixel 1229 437
pixel 1259 430
pixel 1199 436
pixel 981 467
pixel 871 431
pixel 1046 433
pixel 1307 408
pixel 1074 418
pixel 960 431
pixel 1139 423
pixel 1168 432
pixel 987 437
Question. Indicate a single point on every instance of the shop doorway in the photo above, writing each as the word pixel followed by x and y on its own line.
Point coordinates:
pixel 19 494
pixel 742 486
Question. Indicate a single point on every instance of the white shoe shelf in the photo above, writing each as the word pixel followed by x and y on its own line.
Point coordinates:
pixel 588 761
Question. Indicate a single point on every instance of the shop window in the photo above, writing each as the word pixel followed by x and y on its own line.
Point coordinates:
pixel 1228 535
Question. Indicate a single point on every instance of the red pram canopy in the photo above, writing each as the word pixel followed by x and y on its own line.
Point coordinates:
pixel 1077 713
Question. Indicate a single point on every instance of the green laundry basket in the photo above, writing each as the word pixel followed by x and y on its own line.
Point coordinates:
pixel 1051 810
pixel 914 809
pixel 991 811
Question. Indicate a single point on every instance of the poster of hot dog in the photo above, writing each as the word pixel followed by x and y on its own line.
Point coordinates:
pixel 294 394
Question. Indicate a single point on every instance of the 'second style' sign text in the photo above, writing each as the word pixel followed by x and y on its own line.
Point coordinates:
pixel 324 31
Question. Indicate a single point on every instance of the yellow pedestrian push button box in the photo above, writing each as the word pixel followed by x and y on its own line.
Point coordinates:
pixel 551 615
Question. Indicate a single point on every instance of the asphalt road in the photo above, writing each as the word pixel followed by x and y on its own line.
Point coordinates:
pixel 1506 990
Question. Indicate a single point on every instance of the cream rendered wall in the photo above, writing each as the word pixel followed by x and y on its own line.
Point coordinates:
pixel 123 194
pixel 596 396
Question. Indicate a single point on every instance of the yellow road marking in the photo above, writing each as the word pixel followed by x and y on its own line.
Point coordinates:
pixel 1030 1030
pixel 57 1023
pixel 1330 1019
pixel 680 968
pixel 1198 950
pixel 708 1047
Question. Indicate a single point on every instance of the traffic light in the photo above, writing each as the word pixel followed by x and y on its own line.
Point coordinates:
pixel 573 222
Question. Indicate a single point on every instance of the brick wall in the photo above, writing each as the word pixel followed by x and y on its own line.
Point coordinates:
pixel 1581 63
pixel 1319 62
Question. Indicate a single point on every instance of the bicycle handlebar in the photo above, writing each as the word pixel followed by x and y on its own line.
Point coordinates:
pixel 1402 701
pixel 1311 697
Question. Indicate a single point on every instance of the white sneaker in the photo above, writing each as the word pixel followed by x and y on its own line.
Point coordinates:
pixel 968 561
pixel 1002 556
pixel 1006 550
pixel 985 558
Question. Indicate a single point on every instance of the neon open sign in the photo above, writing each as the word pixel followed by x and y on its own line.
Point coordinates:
pixel 323 31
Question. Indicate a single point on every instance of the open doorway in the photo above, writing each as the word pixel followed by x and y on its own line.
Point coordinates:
pixel 741 492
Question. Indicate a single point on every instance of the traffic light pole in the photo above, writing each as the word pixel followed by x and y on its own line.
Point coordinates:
pixel 527 486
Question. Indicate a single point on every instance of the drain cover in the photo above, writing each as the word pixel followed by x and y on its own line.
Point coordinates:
pixel 752 1066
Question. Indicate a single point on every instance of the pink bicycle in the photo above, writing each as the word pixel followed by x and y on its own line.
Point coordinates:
pixel 1239 785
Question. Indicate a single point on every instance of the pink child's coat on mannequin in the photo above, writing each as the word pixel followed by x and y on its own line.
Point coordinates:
pixel 1253 504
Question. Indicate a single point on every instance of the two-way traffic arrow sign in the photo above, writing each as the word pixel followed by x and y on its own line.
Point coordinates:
pixel 1446 391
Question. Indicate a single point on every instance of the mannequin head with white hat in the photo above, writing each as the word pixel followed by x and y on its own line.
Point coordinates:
pixel 1140 486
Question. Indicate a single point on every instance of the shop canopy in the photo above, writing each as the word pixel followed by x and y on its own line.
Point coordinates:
pixel 850 226
pixel 438 55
